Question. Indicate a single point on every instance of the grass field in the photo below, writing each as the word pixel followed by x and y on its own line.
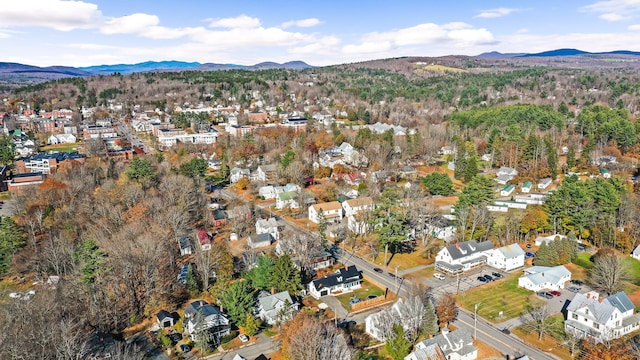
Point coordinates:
pixel 439 68
pixel 501 296
pixel 362 293
pixel 551 342
pixel 584 260
pixel 633 266
pixel 59 147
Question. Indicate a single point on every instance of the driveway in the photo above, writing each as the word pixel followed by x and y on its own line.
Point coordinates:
pixel 264 345
pixel 335 306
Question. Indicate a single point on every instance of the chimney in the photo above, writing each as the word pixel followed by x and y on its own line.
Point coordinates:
pixel 273 291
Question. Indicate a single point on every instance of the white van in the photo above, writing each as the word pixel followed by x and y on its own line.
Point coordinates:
pixel 439 276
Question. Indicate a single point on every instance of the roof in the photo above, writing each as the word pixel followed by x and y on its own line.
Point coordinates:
pixel 527 184
pixel 267 223
pixel 343 275
pixel 600 310
pixel 430 352
pixel 203 307
pixel 184 242
pixel 541 274
pixel 261 238
pixel 511 251
pixel 363 201
pixel 458 342
pixel 545 180
pixel 203 237
pixel 509 187
pixel 287 195
pixel 270 302
pixel 163 314
pixel 463 249
pixel 327 206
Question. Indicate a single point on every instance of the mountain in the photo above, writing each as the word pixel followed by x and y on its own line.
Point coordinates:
pixel 141 67
pixel 576 52
pixel 498 55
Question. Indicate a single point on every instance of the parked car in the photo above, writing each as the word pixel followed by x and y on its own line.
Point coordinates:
pixel 555 293
pixel 439 276
pixel 529 254
pixel 378 270
pixel 497 275
pixel 544 294
pixel 577 282
pixel 185 348
pixel 528 246
pixel 346 323
pixel 574 289
pixel 482 279
pixel 244 338
pixel 488 277
pixel 506 331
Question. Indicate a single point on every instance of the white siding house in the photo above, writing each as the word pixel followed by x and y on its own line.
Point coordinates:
pixel 507 257
pixel 331 211
pixel 463 256
pixel 344 280
pixel 537 278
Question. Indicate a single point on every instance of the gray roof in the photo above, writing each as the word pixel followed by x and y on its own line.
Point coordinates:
pixel 458 342
pixel 268 168
pixel 261 239
pixel 269 302
pixel 463 249
pixel 344 275
pixel 600 311
pixel 203 307
pixel 267 223
pixel 511 251
pixel 163 314
pixel 541 274
pixel 621 301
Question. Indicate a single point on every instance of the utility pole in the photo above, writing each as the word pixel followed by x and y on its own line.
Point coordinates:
pixel 457 282
pixel 475 320
pixel 396 281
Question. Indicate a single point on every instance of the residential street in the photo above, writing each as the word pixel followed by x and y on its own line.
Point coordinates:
pixel 264 345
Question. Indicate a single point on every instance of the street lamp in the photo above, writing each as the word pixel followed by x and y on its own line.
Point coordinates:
pixel 475 320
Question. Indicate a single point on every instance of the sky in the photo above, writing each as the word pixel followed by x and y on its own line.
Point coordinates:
pixel 95 32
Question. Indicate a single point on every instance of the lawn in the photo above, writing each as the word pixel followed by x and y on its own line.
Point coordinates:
pixel 60 147
pixel 584 260
pixel 633 266
pixel 362 293
pixel 501 296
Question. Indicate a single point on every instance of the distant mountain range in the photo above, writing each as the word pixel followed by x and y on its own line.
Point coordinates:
pixel 554 53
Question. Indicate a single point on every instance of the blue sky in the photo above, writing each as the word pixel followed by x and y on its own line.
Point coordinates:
pixel 94 32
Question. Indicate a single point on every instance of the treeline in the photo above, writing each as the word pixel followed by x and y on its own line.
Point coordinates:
pixel 524 116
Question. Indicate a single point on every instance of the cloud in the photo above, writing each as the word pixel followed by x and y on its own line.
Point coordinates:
pixel 327 44
pixel 60 15
pixel 430 33
pixel 634 27
pixel 304 23
pixel 238 22
pixel 495 13
pixel 614 10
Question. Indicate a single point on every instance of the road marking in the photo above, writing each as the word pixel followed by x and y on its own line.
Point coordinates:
pixel 491 337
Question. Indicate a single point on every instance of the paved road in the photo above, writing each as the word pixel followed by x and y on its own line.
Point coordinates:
pixel 126 131
pixel 264 345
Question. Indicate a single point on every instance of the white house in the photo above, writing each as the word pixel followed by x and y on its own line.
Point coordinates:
pixel 236 174
pixel 267 192
pixel 507 171
pixel 268 226
pixel 344 280
pixel 399 312
pixel 463 256
pixel 355 206
pixel 636 253
pixel 526 187
pixel 547 239
pixel 201 316
pixel 184 242
pixel 507 257
pixel 605 173
pixel 455 345
pixel 503 179
pixel 260 240
pixel 507 190
pixel 537 278
pixel 267 172
pixel 331 211
pixel 62 139
pixel 287 199
pixel 544 183
pixel 276 308
pixel 589 316
pixel 447 150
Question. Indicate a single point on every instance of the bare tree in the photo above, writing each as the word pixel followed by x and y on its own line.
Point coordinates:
pixel 608 273
pixel 317 340
pixel 537 319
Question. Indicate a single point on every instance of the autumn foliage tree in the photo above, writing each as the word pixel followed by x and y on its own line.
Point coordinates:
pixel 446 309
pixel 307 337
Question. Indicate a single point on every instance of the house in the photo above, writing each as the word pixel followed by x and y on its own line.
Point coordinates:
pixel 344 280
pixel 429 352
pixel 537 278
pixel 503 179
pixel 165 319
pixel 547 239
pixel 463 256
pixel 455 345
pixel 504 170
pixel 260 240
pixel 287 199
pixel 398 312
pixel 357 224
pixel 236 174
pixel 62 139
pixel 589 316
pixel 507 190
pixel 355 206
pixel 507 257
pixel 23 181
pixel 408 172
pixel 218 217
pixel 268 226
pixel 447 150
pixel 526 187
pixel 202 316
pixel 185 245
pixel 486 157
pixel 331 211
pixel 204 240
pixel 267 192
pixel 636 253
pixel 544 183
pixel 214 164
pixel 605 173
pixel 276 308
pixel 267 172
pixel 239 213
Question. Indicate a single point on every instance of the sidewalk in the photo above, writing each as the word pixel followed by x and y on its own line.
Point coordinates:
pixel 413 269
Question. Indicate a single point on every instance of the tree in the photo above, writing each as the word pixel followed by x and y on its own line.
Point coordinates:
pixel 388 220
pixel 397 346
pixel 552 156
pixel 286 277
pixel 243 183
pixel 237 300
pixel 12 238
pixel 91 259
pixel 446 309
pixel 7 149
pixel 535 220
pixel 479 191
pixel 142 171
pixel 194 168
pixel 430 318
pixel 307 337
pixel 251 324
pixel 607 274
pixel 571 157
pixel 260 276
pixel 537 319
pixel 438 183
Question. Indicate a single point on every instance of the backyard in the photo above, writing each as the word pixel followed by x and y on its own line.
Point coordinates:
pixel 553 342
pixel 367 289
pixel 503 296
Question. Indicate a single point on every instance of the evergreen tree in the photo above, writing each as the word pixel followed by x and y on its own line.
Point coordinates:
pixel 438 183
pixel 237 300
pixel 286 277
pixel 471 168
pixel 552 157
pixel 397 346
pixel 431 326
pixel 260 275
pixel 571 157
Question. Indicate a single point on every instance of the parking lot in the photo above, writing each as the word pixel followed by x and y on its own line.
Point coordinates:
pixel 467 281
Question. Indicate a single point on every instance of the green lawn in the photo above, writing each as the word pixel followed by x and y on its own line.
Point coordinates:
pixel 362 293
pixel 633 266
pixel 584 260
pixel 501 296
pixel 60 147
